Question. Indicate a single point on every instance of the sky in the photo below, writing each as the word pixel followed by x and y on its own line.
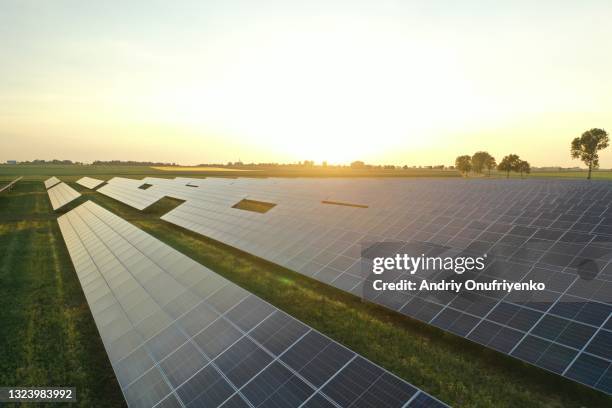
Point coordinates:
pixel 386 82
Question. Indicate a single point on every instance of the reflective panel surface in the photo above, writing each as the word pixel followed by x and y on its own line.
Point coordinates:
pixel 178 334
pixel 89 182
pixel 61 194
pixel 558 232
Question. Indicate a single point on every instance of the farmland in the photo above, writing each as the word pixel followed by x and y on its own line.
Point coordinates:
pixel 107 171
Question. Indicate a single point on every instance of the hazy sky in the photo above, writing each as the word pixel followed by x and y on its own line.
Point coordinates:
pixel 414 82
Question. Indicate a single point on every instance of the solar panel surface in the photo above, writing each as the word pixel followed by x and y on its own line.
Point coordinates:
pixel 89 182
pixel 178 334
pixel 50 182
pixel 553 231
pixel 62 194
pixel 192 182
pixel 128 191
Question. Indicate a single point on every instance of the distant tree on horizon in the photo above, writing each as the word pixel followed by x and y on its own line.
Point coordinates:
pixel 524 167
pixel 490 164
pixel 479 161
pixel 463 164
pixel 509 163
pixel 358 164
pixel 587 145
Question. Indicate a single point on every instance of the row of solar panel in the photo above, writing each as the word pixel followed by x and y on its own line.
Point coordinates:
pixel 61 194
pixel 177 334
pixel 463 313
pixel 575 349
pixel 90 183
pixel 540 234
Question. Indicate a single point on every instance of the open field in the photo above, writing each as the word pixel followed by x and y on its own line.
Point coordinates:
pixel 195 168
pixel 51 339
pixel 48 336
pixel 597 175
pixel 106 172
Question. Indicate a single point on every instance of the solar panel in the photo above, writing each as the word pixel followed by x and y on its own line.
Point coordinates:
pixel 62 194
pixel 178 334
pixel 192 182
pixel 50 182
pixel 129 191
pixel 160 181
pixel 89 182
pixel 553 231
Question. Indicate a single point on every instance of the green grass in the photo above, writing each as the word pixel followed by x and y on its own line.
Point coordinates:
pixel 550 174
pixel 72 173
pixel 597 175
pixel 253 205
pixel 344 204
pixel 49 337
pixel 47 334
pixel 104 172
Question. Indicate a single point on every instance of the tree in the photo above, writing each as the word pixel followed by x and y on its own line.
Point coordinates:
pixel 479 161
pixel 524 167
pixel 490 164
pixel 463 164
pixel 509 163
pixel 586 147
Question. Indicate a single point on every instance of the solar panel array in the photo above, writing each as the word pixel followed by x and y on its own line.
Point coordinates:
pixel 128 191
pixel 62 194
pixel 553 231
pixel 50 182
pixel 191 182
pixel 89 182
pixel 178 334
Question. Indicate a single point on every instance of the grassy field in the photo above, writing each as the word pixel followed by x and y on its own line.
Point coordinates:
pixel 33 171
pixel 252 205
pixel 105 172
pixel 47 334
pixel 597 175
pixel 49 338
pixel 194 168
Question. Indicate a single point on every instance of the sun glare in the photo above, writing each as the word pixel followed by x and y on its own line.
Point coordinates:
pixel 383 83
pixel 329 96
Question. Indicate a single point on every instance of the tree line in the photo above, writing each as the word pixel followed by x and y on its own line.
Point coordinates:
pixel 481 161
pixel 54 161
pixel 586 148
pixel 130 163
